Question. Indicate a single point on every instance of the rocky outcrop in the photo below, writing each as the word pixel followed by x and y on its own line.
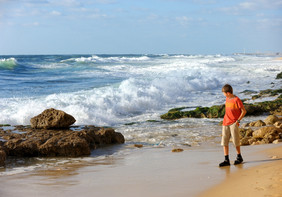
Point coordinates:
pixel 218 111
pixel 28 142
pixel 267 93
pixel 50 134
pixel 215 111
pixel 263 135
pixel 52 119
pixel 270 120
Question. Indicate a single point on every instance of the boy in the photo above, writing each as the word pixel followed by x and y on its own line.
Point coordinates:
pixel 234 112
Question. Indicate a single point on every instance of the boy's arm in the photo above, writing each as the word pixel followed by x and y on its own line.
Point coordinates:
pixel 243 113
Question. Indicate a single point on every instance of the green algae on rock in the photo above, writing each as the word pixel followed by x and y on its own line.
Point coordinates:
pixel 218 111
pixel 279 76
pixel 200 112
pixel 266 93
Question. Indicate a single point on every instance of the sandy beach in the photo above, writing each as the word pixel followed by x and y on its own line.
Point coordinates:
pixel 155 172
pixel 263 180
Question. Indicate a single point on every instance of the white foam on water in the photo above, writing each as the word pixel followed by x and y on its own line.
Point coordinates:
pixel 149 88
pixel 19 170
pixel 95 58
pixel 51 65
pixel 109 105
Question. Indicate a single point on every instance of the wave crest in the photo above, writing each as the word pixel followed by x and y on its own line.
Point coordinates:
pixel 8 63
pixel 98 59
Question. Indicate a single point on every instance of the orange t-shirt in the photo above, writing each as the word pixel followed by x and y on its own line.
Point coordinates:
pixel 232 110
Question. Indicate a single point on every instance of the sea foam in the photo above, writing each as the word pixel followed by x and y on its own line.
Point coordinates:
pixel 110 105
pixel 95 58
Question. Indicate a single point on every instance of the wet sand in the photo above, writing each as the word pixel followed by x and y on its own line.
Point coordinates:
pixel 151 172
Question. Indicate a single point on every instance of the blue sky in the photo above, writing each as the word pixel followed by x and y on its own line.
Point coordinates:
pixel 143 26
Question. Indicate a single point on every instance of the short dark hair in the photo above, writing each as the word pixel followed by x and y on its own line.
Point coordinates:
pixel 227 88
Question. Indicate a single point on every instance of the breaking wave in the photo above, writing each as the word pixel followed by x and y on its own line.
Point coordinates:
pixel 8 63
pixel 98 59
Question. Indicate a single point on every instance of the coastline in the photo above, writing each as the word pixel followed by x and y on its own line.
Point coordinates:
pixel 140 172
pixel 259 181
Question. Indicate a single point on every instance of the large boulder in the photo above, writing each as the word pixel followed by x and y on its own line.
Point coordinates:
pixel 270 120
pixel 28 142
pixel 257 123
pixel 52 119
pixel 267 134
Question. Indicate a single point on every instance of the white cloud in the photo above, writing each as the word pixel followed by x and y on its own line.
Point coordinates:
pixel 65 3
pixel 34 24
pixel 253 5
pixel 55 13
pixel 106 1
pixel 247 5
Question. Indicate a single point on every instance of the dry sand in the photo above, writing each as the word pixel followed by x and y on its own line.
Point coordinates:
pixel 261 181
pixel 153 172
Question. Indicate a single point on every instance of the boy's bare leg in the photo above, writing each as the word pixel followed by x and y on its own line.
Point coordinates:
pixel 238 149
pixel 226 150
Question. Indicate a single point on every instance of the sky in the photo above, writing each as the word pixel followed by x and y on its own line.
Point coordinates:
pixel 140 26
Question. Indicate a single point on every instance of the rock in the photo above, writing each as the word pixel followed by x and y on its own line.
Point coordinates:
pixel 244 125
pixel 200 112
pixel 52 119
pixel 245 132
pixel 138 145
pixel 66 146
pixel 279 75
pixel 268 92
pixel 253 109
pixel 218 111
pixel 258 123
pixel 267 134
pixel 277 141
pixel 277 112
pixel 109 136
pixel 252 141
pixel 248 92
pixel 2 157
pixel 270 120
pixel 245 141
pixel 278 124
pixel 68 142
pixel 177 150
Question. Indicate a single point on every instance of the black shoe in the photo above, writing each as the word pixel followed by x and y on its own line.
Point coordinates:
pixel 238 160
pixel 225 163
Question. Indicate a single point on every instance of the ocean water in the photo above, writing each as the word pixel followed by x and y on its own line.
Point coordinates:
pixel 130 92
